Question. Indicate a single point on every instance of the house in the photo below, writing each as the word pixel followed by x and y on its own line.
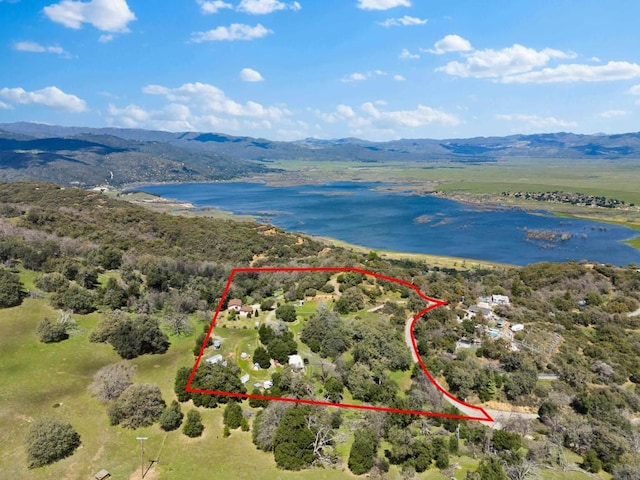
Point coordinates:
pixel 217 344
pixel 246 309
pixel 517 327
pixel 500 323
pixel 215 359
pixel 296 362
pixel 268 384
pixel 499 300
pixel 245 378
pixel 474 309
pixel 235 304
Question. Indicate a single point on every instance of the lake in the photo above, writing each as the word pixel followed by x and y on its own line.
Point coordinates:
pixel 367 215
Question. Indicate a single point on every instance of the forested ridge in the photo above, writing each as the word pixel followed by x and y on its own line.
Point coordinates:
pixel 126 284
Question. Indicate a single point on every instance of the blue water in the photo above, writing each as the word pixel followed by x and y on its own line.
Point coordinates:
pixel 357 213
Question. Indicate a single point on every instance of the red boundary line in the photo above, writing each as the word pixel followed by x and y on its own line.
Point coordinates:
pixel 434 303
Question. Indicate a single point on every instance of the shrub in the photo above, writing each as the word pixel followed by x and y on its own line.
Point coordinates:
pixel 193 427
pixel 48 441
pixel 140 405
pixel 171 418
pixel 11 292
pixel 363 451
pixel 49 332
pixel 232 415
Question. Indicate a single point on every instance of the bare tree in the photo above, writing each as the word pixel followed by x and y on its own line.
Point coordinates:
pixel 179 323
pixel 523 470
pixel 325 438
pixel 110 381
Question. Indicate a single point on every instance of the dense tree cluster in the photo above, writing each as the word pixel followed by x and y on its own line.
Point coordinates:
pixel 130 336
pixel 215 377
pixel 326 333
pixel 279 343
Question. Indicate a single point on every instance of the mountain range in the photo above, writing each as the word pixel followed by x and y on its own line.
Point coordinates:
pixel 94 156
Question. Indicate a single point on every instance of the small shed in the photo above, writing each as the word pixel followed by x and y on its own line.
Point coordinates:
pixel 102 474
pixel 245 378
pixel 268 384
pixel 257 385
pixel 295 361
pixel 217 344
pixel 215 359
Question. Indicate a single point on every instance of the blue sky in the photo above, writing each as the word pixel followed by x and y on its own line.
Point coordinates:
pixel 280 69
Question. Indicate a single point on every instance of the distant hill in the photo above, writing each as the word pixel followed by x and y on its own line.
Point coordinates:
pixel 96 158
pixel 91 156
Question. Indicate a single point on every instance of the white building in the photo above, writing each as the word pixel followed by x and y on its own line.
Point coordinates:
pixel 517 327
pixel 296 362
pixel 499 300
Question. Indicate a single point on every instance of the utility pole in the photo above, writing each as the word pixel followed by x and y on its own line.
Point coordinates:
pixel 142 439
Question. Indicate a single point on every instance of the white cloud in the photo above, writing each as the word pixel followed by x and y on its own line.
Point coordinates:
pixel 450 43
pixel 235 31
pixel 419 117
pixel 613 113
pixel 250 75
pixel 569 73
pixel 209 99
pixel 359 76
pixel 4 106
pixel 49 96
pixel 172 117
pixel 37 48
pixel 382 4
pixel 635 90
pixel 535 122
pixel 513 60
pixel 105 15
pixel 405 54
pixel 371 120
pixel 399 78
pixel 355 77
pixel 202 107
pixel 263 7
pixel 213 6
pixel 346 111
pixel 105 38
pixel 405 21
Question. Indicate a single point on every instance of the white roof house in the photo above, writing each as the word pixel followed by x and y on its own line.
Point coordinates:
pixel 296 362
pixel 499 300
pixel 215 359
pixel 517 327
pixel 245 378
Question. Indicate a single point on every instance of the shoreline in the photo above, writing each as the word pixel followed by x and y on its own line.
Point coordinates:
pixel 442 261
pixel 488 202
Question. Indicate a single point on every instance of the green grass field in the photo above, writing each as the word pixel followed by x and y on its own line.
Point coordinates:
pixel 611 178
